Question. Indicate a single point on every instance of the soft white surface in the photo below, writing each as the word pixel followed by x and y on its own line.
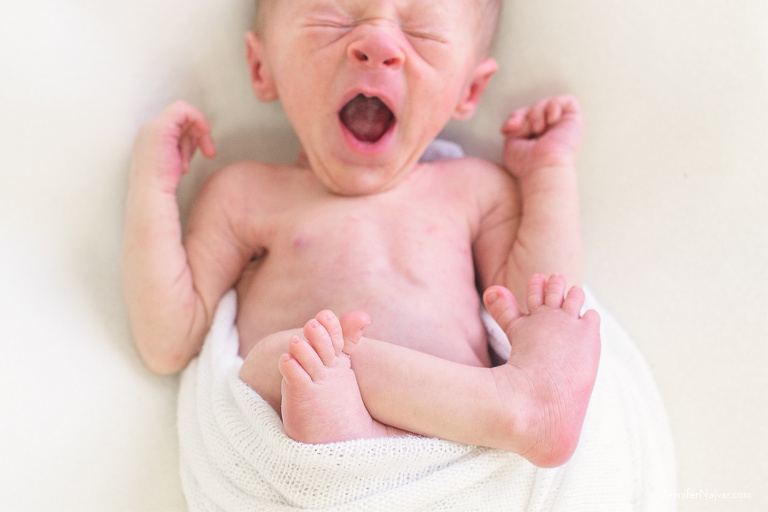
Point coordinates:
pixel 673 175
pixel 235 454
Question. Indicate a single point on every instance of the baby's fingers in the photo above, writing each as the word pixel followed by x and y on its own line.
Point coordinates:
pixel 188 122
pixel 517 124
pixel 187 148
pixel 207 146
pixel 554 112
pixel 194 135
pixel 193 132
pixel 569 104
pixel 182 114
pixel 527 122
pixel 568 108
pixel 537 116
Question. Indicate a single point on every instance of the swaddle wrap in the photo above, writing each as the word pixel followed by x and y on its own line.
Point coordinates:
pixel 236 456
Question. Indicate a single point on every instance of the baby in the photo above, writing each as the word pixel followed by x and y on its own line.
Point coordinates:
pixel 358 224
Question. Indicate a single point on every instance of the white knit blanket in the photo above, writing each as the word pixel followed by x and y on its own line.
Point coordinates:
pixel 235 454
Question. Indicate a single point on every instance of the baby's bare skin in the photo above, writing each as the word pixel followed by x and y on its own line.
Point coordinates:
pixel 405 257
pixel 320 402
pixel 359 225
pixel 293 248
pixel 554 354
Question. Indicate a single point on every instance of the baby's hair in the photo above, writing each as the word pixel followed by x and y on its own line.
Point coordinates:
pixel 488 26
pixel 258 16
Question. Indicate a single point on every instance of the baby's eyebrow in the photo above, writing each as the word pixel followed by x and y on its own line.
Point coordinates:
pixel 323 8
pixel 426 18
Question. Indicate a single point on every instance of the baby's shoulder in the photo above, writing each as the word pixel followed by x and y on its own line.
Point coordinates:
pixel 243 174
pixel 471 166
pixel 244 192
pixel 479 176
pixel 247 180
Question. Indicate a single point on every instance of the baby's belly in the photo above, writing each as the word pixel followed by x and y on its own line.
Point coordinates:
pixel 442 321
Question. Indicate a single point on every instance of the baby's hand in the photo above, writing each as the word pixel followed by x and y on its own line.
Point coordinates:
pixel 165 145
pixel 548 134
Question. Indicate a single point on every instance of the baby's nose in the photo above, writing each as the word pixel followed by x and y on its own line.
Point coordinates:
pixel 375 48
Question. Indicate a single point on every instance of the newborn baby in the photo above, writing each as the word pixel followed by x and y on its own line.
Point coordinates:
pixel 359 226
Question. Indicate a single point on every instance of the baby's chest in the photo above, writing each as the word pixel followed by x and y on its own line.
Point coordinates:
pixel 370 237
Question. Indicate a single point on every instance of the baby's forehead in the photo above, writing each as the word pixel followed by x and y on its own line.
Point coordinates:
pixel 409 7
pixel 476 15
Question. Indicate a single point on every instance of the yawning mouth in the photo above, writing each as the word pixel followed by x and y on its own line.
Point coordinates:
pixel 367 119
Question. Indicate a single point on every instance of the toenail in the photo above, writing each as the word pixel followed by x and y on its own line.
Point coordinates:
pixel 492 297
pixel 313 324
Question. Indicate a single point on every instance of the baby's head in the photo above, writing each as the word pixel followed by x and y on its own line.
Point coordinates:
pixel 368 85
pixel 488 12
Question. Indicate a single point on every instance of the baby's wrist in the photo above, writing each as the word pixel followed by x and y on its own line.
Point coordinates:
pixel 548 178
pixel 148 182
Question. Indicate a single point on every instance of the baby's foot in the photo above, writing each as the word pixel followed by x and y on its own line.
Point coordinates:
pixel 321 400
pixel 552 368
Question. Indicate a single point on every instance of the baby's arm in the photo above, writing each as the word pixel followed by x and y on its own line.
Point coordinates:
pixel 169 299
pixel 541 147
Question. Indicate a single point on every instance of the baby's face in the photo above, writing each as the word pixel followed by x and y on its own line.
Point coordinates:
pixel 368 84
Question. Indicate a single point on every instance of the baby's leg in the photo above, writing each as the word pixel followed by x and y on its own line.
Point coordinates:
pixel 260 368
pixel 555 354
pixel 321 400
pixel 534 405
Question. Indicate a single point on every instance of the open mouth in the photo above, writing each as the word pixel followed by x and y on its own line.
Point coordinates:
pixel 367 119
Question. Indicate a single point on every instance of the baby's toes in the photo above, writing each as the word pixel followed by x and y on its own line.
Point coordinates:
pixel 592 318
pixel 574 301
pixel 307 359
pixel 333 327
pixel 554 291
pixel 352 326
pixel 292 372
pixel 534 292
pixel 502 306
pixel 593 341
pixel 320 340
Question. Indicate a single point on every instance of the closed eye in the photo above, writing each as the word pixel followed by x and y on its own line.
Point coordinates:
pixel 328 25
pixel 324 31
pixel 426 36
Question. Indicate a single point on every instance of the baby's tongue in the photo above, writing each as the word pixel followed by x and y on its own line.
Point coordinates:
pixel 367 118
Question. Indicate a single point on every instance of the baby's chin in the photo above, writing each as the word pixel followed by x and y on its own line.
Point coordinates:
pixel 362 178
pixel 344 169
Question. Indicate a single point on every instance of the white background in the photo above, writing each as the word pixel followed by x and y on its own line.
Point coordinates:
pixel 674 176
